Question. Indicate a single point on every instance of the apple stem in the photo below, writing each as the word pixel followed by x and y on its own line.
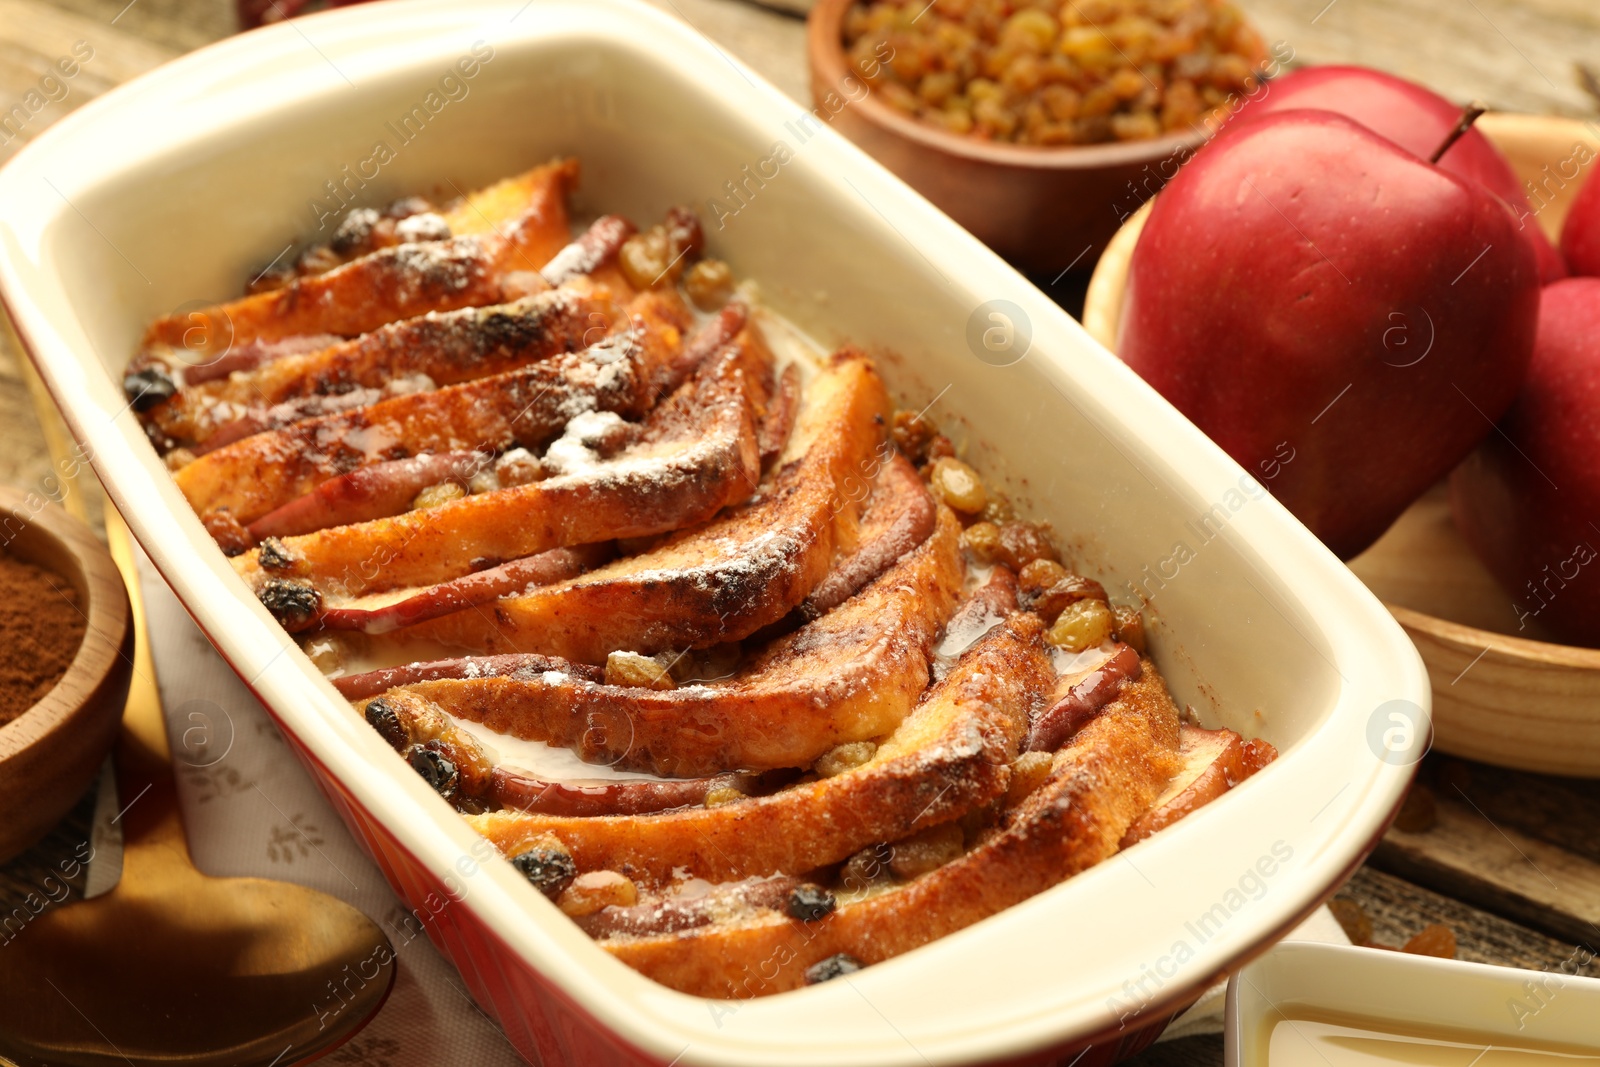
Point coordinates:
pixel 1469 115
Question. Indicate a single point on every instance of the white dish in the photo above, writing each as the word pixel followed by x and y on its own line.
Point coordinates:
pixel 180 185
pixel 1282 1007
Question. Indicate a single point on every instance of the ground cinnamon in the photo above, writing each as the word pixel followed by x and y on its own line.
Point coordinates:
pixel 41 627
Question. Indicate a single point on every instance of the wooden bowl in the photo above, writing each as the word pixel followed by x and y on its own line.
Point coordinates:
pixel 1043 209
pixel 1501 695
pixel 49 754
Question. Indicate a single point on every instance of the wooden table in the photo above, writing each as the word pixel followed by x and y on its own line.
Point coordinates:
pixel 1511 862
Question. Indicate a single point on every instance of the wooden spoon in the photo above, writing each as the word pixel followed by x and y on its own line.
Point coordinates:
pixel 172 966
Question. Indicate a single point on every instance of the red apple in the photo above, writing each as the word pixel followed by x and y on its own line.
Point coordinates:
pixel 1415 118
pixel 1343 317
pixel 1580 235
pixel 1528 498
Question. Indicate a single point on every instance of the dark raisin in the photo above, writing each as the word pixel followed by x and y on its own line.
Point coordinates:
pixel 685 236
pixel 294 605
pixel 228 532
pixel 274 556
pixel 808 903
pixel 407 206
pixel 148 386
pixel 354 231
pixel 382 717
pixel 436 769
pixel 550 870
pixel 832 967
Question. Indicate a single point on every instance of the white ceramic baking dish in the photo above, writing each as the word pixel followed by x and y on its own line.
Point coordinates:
pixel 179 186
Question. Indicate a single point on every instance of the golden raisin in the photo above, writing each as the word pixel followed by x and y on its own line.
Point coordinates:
pixel 867 869
pixel 1081 624
pixel 927 851
pixel 987 68
pixel 998 509
pixel 518 467
pixel 958 486
pixel 1435 939
pixel 642 672
pixel 709 284
pixel 1027 774
pixel 982 539
pixel 1069 590
pixel 435 495
pixel 1040 575
pixel 912 435
pixel 1129 627
pixel 645 258
pixel 719 795
pixel 1353 918
pixel 1418 813
pixel 847 756
pixel 591 892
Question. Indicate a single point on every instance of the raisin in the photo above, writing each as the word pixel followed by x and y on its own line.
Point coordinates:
pixel 274 555
pixel 597 891
pixel 1023 542
pixel 808 903
pixel 1130 627
pixel 1435 939
pixel 1352 918
pixel 382 717
pixel 833 967
pixel 1069 590
pixel 957 485
pixel 437 769
pixel 149 386
pixel 1419 813
pixel 293 604
pixel 550 870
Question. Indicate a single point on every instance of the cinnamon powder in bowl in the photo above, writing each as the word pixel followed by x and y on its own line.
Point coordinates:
pixel 66 653
pixel 41 627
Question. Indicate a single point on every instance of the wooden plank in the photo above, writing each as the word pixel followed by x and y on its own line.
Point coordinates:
pixel 1473 856
pixel 34 37
pixel 1517 55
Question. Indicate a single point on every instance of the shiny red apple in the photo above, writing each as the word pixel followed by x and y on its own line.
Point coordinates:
pixel 1415 118
pixel 1528 498
pixel 1580 234
pixel 1344 318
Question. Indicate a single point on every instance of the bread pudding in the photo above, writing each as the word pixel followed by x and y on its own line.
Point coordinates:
pixel 743 668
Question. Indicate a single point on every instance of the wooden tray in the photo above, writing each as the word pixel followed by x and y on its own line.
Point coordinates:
pixel 1500 695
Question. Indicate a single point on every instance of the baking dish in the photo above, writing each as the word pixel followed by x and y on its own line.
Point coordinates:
pixel 178 187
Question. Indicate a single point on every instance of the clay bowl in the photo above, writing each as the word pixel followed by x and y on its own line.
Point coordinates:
pixel 1043 209
pixel 50 753
pixel 1511 697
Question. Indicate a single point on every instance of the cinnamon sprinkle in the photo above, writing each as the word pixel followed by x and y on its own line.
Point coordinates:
pixel 41 627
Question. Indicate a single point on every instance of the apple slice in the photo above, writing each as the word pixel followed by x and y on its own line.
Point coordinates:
pixel 392 283
pixel 948 757
pixel 748 568
pixel 1109 772
pixel 851 675
pixel 696 454
pixel 622 373
pixel 449 348
pixel 1212 761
